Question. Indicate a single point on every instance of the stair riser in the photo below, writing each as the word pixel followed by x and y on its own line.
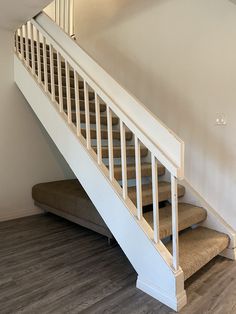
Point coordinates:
pixel 104 134
pixel 131 173
pixel 48 61
pixel 72 92
pixel 63 79
pixel 93 119
pixel 63 72
pixel 82 105
pixel 29 45
pixel 41 55
pixel 189 215
pixel 147 198
pixel 130 152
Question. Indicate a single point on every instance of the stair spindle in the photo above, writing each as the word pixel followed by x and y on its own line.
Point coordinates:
pixel 138 178
pixel 110 143
pixel 26 44
pixel 21 44
pixel 98 129
pixel 77 103
pixel 68 17
pixel 45 66
pixel 123 160
pixel 87 115
pixel 59 75
pixel 156 221
pixel 64 16
pixel 68 93
pixel 71 18
pixel 16 40
pixel 52 77
pixel 38 57
pixel 32 48
pixel 175 224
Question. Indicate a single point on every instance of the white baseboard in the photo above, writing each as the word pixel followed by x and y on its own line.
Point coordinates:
pixel 175 303
pixel 229 253
pixel 14 214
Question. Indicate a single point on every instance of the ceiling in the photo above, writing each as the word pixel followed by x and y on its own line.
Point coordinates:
pixel 14 13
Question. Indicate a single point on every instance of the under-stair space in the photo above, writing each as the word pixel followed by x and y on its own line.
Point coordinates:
pixel 142 176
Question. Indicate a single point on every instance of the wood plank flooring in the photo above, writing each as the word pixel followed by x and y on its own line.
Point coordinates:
pixel 49 265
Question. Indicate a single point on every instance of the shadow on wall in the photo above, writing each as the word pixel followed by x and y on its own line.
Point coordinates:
pixel 31 146
pixel 65 169
pixel 178 58
pixel 110 13
pixel 207 150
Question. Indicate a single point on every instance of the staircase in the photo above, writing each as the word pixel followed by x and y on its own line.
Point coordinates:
pixel 128 162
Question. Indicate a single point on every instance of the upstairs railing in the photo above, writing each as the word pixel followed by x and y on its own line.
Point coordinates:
pixel 64 79
pixel 63 13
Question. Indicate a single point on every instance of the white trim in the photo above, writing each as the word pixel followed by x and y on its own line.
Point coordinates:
pixel 17 213
pixel 229 253
pixel 175 302
pixel 214 220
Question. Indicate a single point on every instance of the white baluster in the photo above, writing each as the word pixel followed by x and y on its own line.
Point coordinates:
pixel 68 92
pixel 59 82
pixel 110 143
pixel 68 17
pixel 87 115
pixel 32 48
pixel 21 43
pixel 26 45
pixel 38 57
pixel 61 11
pixel 16 47
pixel 123 159
pixel 98 129
pixel 72 13
pixel 55 11
pixel 64 16
pixel 155 199
pixel 45 65
pixel 138 178
pixel 175 224
pixel 52 73
pixel 77 103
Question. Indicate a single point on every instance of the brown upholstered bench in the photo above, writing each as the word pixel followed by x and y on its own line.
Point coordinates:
pixel 68 199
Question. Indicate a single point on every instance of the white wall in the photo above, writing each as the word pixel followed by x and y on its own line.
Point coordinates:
pixel 15 13
pixel 50 10
pixel 27 154
pixel 179 58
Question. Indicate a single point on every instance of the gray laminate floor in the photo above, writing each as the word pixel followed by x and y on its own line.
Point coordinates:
pixel 49 265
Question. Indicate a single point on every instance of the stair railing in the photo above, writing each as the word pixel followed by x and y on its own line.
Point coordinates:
pixel 64 15
pixel 69 88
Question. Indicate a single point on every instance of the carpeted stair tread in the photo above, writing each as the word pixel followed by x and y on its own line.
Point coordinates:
pixel 104 134
pixel 130 151
pixel 91 94
pixel 164 189
pixel 189 215
pixel 199 246
pixel 63 79
pixel 82 105
pixel 92 118
pixel 69 197
pixel 131 170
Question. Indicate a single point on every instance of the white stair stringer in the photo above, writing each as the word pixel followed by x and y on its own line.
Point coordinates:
pixel 151 261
